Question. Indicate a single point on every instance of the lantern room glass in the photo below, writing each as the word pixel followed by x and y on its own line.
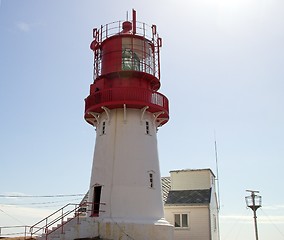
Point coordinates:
pixel 137 55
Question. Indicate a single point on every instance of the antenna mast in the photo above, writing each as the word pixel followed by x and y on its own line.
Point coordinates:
pixel 217 171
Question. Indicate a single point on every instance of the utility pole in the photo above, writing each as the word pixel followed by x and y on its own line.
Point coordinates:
pixel 254 202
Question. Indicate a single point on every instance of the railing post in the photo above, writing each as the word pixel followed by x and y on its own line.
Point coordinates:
pixel 78 213
pixel 62 216
pixel 31 231
pixel 46 229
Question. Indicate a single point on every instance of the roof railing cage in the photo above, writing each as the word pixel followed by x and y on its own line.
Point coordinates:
pixel 142 29
pixel 115 28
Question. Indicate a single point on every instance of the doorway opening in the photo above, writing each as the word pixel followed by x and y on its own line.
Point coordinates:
pixel 96 201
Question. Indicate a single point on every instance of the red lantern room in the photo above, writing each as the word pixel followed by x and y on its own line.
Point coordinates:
pixel 126 70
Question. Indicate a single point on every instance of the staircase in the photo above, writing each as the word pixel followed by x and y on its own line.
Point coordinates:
pixel 67 223
pixel 72 222
pixel 84 228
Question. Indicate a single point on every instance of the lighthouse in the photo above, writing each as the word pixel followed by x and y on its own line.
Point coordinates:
pixel 126 110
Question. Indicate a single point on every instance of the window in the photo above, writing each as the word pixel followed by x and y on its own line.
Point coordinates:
pixel 181 220
pixel 151 180
pixel 130 60
pixel 147 128
pixel 214 222
pixel 151 174
pixel 103 128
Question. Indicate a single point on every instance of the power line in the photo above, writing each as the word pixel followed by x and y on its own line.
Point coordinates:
pixel 11 216
pixel 272 223
pixel 43 196
pixel 40 203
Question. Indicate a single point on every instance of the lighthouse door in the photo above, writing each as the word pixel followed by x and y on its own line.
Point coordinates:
pixel 96 201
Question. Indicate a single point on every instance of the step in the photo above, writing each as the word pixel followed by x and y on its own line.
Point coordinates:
pixel 85 229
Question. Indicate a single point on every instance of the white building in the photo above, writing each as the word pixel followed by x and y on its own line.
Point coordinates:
pixel 126 109
pixel 190 204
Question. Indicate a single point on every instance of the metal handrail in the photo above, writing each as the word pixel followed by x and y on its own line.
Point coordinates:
pixel 147 62
pixel 14 233
pixel 45 219
pixel 115 28
pixel 61 217
pixel 47 224
pixel 144 31
pixel 128 94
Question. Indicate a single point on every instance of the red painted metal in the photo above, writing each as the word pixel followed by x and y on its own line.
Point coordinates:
pixel 143 36
pixel 126 69
pixel 134 20
pixel 58 219
pixel 50 224
pixel 132 97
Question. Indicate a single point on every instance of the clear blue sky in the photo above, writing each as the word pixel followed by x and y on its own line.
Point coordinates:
pixel 222 70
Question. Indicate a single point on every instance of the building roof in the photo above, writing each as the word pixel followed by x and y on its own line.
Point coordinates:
pixel 166 187
pixel 187 197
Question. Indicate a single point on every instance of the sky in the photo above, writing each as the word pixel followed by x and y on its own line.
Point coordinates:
pixel 221 69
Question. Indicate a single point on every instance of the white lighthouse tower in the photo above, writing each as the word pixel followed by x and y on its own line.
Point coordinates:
pixel 126 111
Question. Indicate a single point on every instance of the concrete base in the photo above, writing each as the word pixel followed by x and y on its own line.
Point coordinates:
pixel 89 228
pixel 160 230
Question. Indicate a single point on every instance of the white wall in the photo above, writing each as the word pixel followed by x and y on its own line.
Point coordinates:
pixel 214 217
pixel 203 219
pixel 192 179
pixel 124 156
pixel 198 222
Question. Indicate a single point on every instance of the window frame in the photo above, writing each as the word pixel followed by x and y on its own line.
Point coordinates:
pixel 183 224
pixel 147 127
pixel 103 129
pixel 214 222
pixel 130 60
pixel 151 181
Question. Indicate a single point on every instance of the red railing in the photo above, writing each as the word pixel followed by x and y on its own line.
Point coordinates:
pixel 114 61
pixel 115 28
pixel 132 97
pixel 58 219
pixel 149 63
